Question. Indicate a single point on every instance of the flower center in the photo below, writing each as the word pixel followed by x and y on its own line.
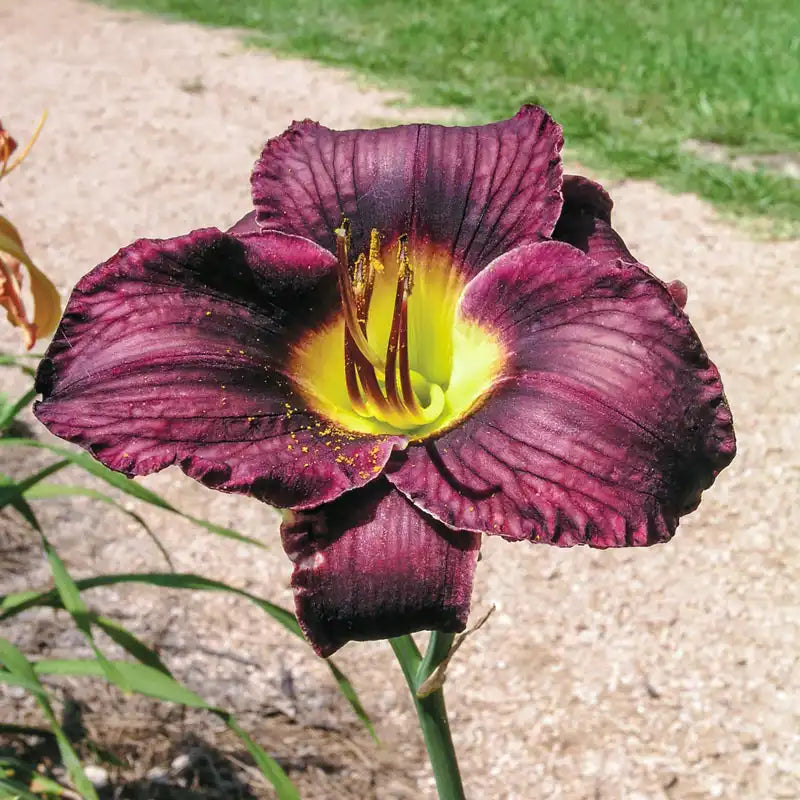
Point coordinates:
pixel 382 389
pixel 398 358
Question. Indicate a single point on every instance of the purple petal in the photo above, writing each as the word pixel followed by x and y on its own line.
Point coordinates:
pixel 371 566
pixel 246 225
pixel 678 292
pixel 610 420
pixel 585 221
pixel 471 192
pixel 176 351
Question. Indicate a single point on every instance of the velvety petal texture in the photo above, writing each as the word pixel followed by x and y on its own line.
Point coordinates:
pixel 175 352
pixel 371 565
pixel 472 192
pixel 609 420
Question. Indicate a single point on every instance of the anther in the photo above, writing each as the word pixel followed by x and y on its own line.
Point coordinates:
pixel 375 262
pixel 349 303
pixel 380 389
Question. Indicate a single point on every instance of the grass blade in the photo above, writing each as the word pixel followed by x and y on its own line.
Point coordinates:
pixel 14 489
pixel 141 678
pixel 130 643
pixel 17 665
pixel 15 603
pixel 13 790
pixel 13 679
pixel 33 781
pixel 9 411
pixel 12 729
pixel 154 683
pixel 19 504
pixel 131 487
pixel 270 768
pixel 71 599
pixel 12 492
pixel 349 692
pixel 43 785
pixel 12 604
pixel 43 491
pixel 7 360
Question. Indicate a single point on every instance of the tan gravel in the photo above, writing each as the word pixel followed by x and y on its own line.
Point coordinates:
pixel 663 673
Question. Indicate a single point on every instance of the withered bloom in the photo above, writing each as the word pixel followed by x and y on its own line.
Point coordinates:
pixel 46 302
pixel 421 335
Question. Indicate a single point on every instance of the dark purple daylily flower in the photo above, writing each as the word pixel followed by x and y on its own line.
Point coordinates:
pixel 421 335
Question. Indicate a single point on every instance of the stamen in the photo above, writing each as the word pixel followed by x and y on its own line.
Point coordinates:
pixel 351 378
pixel 349 305
pixel 372 385
pixel 369 285
pixel 360 269
pixel 375 262
pixel 363 283
pixel 394 335
pixel 409 396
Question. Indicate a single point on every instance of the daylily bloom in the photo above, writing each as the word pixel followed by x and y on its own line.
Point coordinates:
pixel 421 335
pixel 46 302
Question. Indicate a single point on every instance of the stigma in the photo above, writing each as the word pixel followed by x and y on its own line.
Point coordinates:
pixel 385 387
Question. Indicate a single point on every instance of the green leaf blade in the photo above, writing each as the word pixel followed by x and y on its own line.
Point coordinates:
pixel 153 683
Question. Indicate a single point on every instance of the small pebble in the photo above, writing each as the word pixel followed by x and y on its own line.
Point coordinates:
pixel 181 763
pixel 97 776
pixel 157 775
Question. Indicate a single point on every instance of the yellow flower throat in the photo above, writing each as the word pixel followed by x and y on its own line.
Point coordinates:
pixel 389 363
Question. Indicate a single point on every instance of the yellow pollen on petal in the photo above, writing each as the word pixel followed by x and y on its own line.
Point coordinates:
pixel 398 298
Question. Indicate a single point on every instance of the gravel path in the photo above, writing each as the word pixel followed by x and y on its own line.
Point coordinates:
pixel 664 673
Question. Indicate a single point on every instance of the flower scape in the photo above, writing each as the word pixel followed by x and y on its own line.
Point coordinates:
pixel 420 335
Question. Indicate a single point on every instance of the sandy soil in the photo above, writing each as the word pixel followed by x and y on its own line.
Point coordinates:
pixel 664 673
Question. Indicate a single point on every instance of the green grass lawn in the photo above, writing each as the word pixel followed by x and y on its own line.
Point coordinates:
pixel 630 82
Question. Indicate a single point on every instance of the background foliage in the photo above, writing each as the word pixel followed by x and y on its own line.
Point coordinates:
pixel 701 96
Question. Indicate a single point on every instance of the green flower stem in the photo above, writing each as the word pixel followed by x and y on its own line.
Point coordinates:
pixel 431 709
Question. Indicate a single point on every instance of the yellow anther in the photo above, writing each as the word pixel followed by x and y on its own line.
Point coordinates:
pixel 343 231
pixel 405 270
pixel 346 291
pixel 375 251
pixel 360 268
pixel 360 273
pixel 380 388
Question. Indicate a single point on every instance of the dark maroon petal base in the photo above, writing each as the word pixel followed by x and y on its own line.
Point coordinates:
pixel 610 420
pixel 175 352
pixel 371 566
pixel 473 192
